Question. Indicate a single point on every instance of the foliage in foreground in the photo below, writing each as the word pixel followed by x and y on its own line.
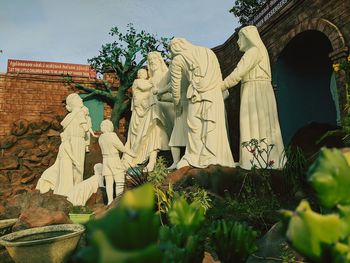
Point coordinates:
pixel 324 237
pixel 131 232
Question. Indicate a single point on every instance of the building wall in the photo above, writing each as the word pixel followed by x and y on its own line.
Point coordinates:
pixel 34 97
pixel 332 18
pixel 295 17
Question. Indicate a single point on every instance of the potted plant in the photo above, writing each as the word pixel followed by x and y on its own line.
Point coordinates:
pixel 81 214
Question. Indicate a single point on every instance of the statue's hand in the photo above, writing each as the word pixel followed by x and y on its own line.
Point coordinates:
pixel 155 91
pixel 222 86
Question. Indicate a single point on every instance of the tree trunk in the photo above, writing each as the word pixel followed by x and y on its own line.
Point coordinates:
pixel 119 106
pixel 116 113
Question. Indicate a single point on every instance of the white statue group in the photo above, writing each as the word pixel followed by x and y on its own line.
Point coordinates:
pixel 172 108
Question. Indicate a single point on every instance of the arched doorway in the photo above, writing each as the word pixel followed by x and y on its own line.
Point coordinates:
pixel 303 74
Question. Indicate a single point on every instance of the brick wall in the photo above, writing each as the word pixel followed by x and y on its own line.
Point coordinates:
pixel 283 26
pixel 32 97
pixel 329 17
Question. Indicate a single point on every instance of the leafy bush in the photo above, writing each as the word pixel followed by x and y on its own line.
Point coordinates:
pixel 159 173
pixel 232 241
pixel 180 241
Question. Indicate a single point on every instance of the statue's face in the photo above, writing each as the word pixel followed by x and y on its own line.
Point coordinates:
pixel 142 74
pixel 68 108
pixel 153 63
pixel 74 103
pixel 242 42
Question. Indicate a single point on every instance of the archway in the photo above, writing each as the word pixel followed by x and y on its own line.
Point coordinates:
pixel 302 74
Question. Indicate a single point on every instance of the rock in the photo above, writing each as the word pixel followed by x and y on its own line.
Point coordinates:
pixel 37 131
pixel 26 144
pixel 96 198
pixel 43 150
pixel 45 123
pixel 56 124
pixel 21 153
pixel 52 133
pixel 4 179
pixel 33 158
pixel 20 127
pixel 307 138
pixel 178 175
pixel 19 190
pixel 17 175
pixel 36 217
pixel 33 199
pixel 8 142
pixel 35 151
pixel 43 140
pixel 8 163
pixel 5 193
pixel 273 245
pixel 28 179
pixel 46 160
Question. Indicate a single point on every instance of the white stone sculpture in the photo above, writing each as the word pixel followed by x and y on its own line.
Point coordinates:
pixel 146 134
pixel 160 77
pixel 81 192
pixel 89 131
pixel 75 127
pixel 207 136
pixel 113 169
pixel 68 168
pixel 179 133
pixel 59 176
pixel 258 111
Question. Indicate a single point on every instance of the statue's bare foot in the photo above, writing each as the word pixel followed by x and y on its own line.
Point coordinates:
pixel 172 167
pixel 149 167
pixel 182 163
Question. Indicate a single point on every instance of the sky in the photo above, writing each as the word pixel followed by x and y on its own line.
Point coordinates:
pixel 71 31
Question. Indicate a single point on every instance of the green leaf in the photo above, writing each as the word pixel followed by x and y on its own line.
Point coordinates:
pixel 311 234
pixel 329 177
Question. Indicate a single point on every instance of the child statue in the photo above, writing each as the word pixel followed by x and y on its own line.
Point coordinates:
pixel 113 169
pixel 81 192
pixel 258 110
